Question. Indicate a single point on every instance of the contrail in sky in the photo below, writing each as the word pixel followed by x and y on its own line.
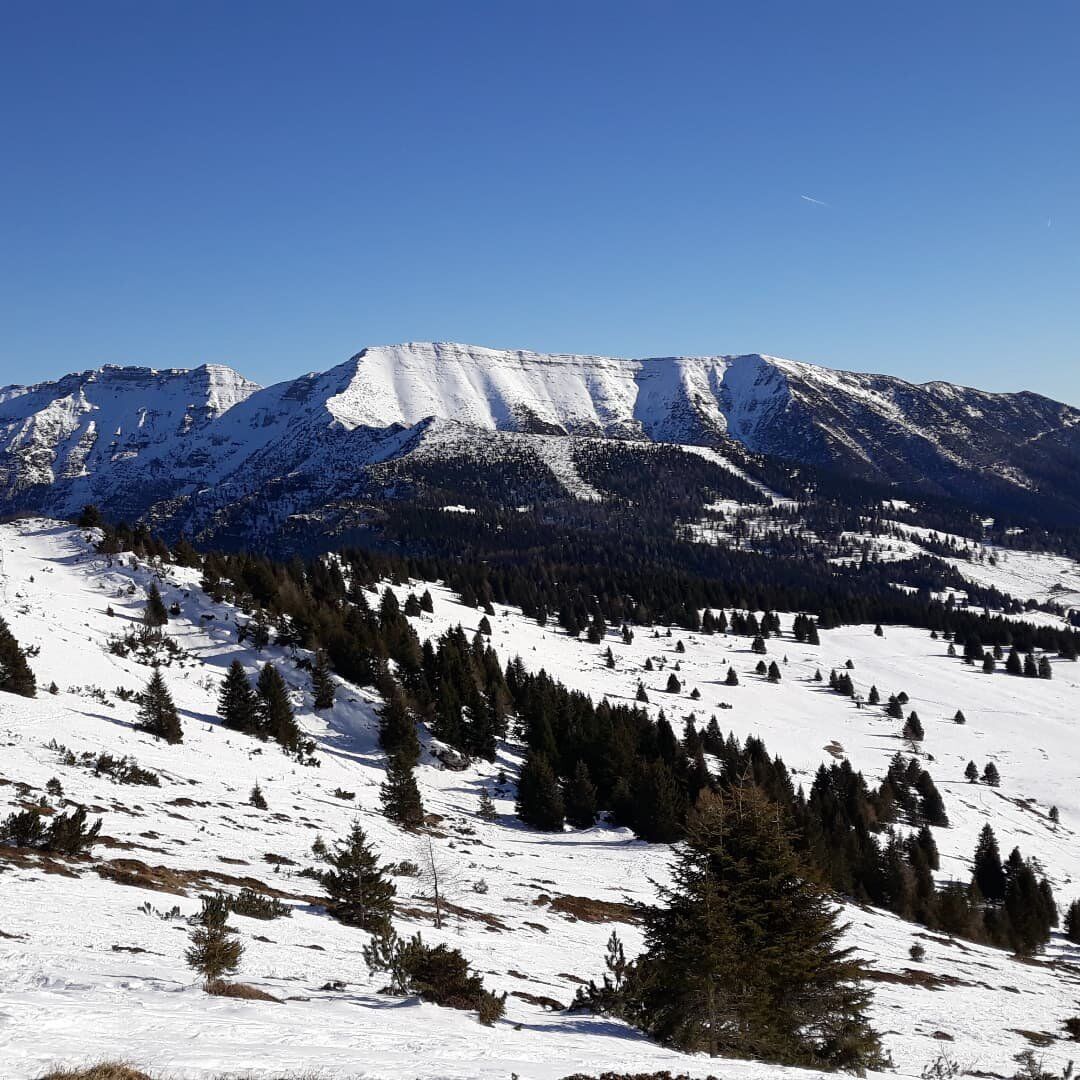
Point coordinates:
pixel 816 202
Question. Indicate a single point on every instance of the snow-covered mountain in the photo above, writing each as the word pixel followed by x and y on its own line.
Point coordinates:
pixel 194 445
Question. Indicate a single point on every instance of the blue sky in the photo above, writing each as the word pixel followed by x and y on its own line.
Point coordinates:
pixel 275 185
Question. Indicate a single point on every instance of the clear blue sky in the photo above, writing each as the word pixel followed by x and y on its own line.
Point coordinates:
pixel 274 185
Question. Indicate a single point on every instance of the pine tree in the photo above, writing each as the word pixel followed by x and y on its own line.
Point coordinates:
pixel 360 893
pixel 758 644
pixel 874 698
pixel 641 695
pixel 1025 908
pixel 913 729
pixel 1071 924
pixel 731 679
pixel 987 871
pixel 1012 664
pixel 742 957
pixel 673 684
pixel 959 718
pixel 539 801
pixel 90 517
pixel 274 714
pixel 401 801
pixel 213 953
pixel 990 774
pixel 322 684
pixel 157 713
pixel 609 658
pixel 15 674
pixel 579 798
pixel 1045 670
pixel 989 664
pixel 397 727
pixel 487 809
pixel 237 702
pixel 774 673
pixel 971 773
pixel 154 615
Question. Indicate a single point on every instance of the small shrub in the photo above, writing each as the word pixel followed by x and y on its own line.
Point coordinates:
pixel 917 953
pixel 255 905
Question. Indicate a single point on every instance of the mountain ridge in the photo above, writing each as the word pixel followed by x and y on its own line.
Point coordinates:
pixel 135 438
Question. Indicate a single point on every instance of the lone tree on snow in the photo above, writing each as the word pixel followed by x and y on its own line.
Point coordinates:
pixel 213 953
pixel 157 713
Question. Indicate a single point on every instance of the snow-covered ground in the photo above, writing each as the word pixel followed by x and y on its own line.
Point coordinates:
pixel 86 972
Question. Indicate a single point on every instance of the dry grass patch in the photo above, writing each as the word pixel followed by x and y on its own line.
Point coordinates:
pixel 240 990
pixel 594 911
pixel 913 977
pixel 105 1070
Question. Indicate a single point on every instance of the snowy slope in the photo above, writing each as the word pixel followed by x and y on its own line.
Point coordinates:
pixel 78 989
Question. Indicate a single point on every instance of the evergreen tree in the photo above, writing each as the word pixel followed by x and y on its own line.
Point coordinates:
pixel 1045 670
pixel 360 893
pixel 1013 665
pixel 579 798
pixel 971 773
pixel 1072 922
pixel 913 729
pixel 397 728
pixel 539 801
pixel 742 957
pixel 274 713
pixel 1025 908
pixel 673 684
pixel 990 774
pixel 157 713
pixel 989 664
pixel 874 698
pixel 641 695
pixel 401 801
pixel 959 718
pixel 154 615
pixel 731 679
pixel 90 517
pixel 322 684
pixel 487 809
pixel 15 674
pixel 609 658
pixel 213 953
pixel 926 843
pixel 987 871
pixel 774 672
pixel 237 705
pixel 257 798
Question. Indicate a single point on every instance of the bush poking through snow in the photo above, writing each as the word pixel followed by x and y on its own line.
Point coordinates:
pixel 66 834
pixel 213 953
pixel 436 973
pixel 255 905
